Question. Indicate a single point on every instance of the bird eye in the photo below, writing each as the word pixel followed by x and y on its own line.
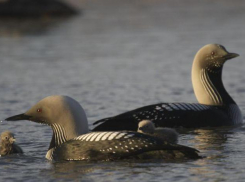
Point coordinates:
pixel 39 110
pixel 6 138
pixel 212 53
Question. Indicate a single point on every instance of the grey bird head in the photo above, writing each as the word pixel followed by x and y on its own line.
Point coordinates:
pixel 146 126
pixel 207 75
pixel 213 56
pixel 59 112
pixel 7 137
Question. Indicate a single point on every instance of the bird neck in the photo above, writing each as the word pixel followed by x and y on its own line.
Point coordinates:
pixel 62 134
pixel 208 86
pixel 59 136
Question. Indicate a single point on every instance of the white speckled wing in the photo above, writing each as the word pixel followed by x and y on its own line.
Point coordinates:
pixel 168 111
pixel 113 146
pixel 189 115
pixel 102 136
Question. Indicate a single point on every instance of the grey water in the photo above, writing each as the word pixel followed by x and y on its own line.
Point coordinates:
pixel 113 57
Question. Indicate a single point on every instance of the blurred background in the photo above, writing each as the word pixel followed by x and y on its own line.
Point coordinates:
pixel 113 56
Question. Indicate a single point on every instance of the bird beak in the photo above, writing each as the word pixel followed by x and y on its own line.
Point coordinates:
pixel 230 56
pixel 26 117
pixel 12 140
pixel 18 117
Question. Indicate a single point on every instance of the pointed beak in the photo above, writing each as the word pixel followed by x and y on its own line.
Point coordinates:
pixel 12 140
pixel 231 56
pixel 18 117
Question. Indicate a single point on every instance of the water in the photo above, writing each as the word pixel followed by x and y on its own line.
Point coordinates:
pixel 117 56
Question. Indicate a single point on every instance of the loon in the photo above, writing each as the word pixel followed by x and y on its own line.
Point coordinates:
pixel 167 134
pixel 7 144
pixel 71 140
pixel 215 108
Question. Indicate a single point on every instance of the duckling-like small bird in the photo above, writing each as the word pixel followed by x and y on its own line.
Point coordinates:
pixel 167 134
pixel 7 144
pixel 71 140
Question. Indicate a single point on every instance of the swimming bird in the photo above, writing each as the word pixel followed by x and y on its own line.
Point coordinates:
pixel 71 140
pixel 7 144
pixel 167 134
pixel 215 107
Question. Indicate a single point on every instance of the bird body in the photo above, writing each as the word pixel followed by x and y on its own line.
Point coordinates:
pixel 71 140
pixel 104 146
pixel 7 144
pixel 167 134
pixel 215 108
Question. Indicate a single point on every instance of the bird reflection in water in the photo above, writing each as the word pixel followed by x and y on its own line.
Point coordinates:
pixel 212 142
pixel 211 138
pixel 70 170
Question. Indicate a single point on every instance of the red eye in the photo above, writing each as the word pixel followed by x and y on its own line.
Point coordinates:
pixel 39 110
pixel 212 53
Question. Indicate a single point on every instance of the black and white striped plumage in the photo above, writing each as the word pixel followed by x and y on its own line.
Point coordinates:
pixel 71 140
pixel 104 146
pixel 215 107
pixel 173 115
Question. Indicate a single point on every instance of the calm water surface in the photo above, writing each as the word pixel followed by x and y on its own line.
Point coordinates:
pixel 117 56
